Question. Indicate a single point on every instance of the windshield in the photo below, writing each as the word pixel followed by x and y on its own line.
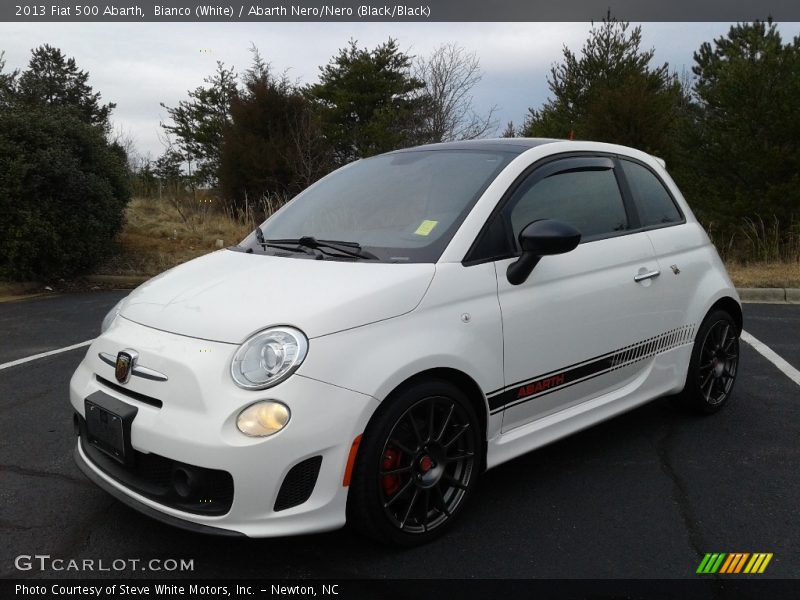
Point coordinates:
pixel 399 207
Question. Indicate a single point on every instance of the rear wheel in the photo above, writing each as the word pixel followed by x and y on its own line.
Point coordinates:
pixel 714 364
pixel 417 465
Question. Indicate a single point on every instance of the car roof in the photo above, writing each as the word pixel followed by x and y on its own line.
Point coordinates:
pixel 513 145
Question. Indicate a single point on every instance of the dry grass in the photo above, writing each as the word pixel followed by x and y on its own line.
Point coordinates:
pixel 160 234
pixel 758 241
pixel 765 275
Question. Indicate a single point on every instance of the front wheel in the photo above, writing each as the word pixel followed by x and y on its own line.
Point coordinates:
pixel 713 366
pixel 418 463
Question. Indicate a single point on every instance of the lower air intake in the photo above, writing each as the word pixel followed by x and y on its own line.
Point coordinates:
pixel 298 484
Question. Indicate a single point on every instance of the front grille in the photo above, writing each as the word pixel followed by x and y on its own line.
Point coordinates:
pixel 299 483
pixel 129 393
pixel 172 483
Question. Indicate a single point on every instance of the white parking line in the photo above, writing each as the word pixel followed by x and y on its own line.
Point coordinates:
pixel 772 357
pixel 22 361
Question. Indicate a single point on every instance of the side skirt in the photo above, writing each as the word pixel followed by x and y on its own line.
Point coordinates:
pixel 664 377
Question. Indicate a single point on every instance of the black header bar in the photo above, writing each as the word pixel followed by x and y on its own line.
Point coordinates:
pixel 392 11
pixel 418 589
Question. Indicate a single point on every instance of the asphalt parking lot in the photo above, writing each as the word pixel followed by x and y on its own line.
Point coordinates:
pixel 645 495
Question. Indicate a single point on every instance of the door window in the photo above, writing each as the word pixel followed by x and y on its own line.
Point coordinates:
pixel 656 207
pixel 589 200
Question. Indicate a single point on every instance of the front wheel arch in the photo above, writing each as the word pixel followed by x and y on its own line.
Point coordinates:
pixel 459 379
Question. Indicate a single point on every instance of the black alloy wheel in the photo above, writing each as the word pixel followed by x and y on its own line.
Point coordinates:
pixel 719 360
pixel 418 463
pixel 714 364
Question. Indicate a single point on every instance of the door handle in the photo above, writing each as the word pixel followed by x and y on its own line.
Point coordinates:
pixel 649 275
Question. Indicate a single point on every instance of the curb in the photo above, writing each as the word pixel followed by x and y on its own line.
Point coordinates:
pixel 4 298
pixel 117 281
pixel 747 295
pixel 9 288
pixel 769 295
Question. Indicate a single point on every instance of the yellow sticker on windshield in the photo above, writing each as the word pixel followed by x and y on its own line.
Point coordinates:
pixel 426 227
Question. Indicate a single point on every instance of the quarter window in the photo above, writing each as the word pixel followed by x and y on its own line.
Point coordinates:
pixel 656 206
pixel 589 200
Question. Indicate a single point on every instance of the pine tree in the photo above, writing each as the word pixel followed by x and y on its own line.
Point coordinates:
pixel 746 139
pixel 610 93
pixel 198 123
pixel 367 101
pixel 54 80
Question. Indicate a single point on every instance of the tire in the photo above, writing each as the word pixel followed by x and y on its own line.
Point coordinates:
pixel 417 465
pixel 713 366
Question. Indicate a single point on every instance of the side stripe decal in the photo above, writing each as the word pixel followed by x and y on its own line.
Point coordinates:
pixel 547 383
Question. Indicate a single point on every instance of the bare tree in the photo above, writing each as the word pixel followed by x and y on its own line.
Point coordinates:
pixel 450 74
pixel 310 151
pixel 8 82
pixel 127 142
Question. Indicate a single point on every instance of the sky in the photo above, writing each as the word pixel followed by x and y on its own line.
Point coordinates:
pixel 140 65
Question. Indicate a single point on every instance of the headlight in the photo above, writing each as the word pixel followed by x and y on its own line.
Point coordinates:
pixel 109 318
pixel 268 357
pixel 263 418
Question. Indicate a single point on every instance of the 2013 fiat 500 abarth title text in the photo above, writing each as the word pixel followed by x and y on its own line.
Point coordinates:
pixel 405 323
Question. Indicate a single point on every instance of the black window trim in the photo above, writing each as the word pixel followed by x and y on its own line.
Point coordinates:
pixel 636 203
pixel 630 203
pixel 574 165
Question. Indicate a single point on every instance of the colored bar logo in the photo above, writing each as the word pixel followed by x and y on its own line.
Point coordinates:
pixel 735 562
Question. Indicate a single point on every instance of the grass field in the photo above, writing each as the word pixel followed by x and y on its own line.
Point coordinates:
pixel 161 234
pixel 765 275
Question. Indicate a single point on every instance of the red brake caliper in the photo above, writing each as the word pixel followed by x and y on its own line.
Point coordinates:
pixel 391 460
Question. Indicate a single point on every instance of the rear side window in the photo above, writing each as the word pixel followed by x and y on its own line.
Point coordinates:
pixel 589 200
pixel 656 206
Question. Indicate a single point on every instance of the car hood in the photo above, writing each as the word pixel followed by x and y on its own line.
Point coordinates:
pixel 226 296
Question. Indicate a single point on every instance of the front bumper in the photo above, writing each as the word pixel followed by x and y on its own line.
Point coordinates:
pixel 91 472
pixel 196 425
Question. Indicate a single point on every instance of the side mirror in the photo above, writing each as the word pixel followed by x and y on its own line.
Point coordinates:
pixel 541 238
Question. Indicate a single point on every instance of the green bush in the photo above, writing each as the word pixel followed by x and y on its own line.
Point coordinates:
pixel 63 189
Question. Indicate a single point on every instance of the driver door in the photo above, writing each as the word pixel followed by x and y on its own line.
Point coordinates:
pixel 574 322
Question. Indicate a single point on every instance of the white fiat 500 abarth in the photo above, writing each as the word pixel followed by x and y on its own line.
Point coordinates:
pixel 405 323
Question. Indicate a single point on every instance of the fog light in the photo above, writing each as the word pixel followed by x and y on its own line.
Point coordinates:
pixel 263 418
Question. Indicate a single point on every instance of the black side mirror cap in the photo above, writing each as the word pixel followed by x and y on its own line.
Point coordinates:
pixel 545 237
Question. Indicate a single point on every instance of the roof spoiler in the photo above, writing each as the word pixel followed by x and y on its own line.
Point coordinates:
pixel 660 161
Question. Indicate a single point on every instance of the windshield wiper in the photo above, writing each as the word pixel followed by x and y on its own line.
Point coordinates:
pixel 340 248
pixel 279 245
